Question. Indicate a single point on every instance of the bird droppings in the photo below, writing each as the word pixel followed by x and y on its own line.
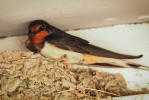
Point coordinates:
pixel 25 75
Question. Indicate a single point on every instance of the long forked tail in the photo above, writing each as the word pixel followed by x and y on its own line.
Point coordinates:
pixel 137 66
pixel 111 63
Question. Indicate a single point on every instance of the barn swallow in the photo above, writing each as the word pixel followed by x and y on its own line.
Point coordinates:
pixel 51 41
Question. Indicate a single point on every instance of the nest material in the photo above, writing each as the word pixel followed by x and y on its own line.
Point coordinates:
pixel 24 75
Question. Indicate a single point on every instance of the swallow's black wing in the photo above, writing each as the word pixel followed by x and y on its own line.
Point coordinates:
pixel 68 42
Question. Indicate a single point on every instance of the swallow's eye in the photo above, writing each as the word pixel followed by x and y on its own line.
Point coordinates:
pixel 42 27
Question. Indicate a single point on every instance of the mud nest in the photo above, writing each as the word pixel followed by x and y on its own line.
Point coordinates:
pixel 24 75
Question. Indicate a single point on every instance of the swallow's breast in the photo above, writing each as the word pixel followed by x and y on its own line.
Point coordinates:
pixel 55 52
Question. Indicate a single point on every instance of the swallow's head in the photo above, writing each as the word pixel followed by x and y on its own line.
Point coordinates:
pixel 38 30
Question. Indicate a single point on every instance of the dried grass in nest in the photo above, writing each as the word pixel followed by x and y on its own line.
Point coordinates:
pixel 24 75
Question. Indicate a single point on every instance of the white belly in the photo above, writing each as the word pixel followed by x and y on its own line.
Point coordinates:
pixel 54 52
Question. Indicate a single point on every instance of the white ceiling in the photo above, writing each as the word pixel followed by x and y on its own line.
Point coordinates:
pixel 69 14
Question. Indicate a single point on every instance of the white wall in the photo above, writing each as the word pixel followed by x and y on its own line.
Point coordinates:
pixel 15 15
